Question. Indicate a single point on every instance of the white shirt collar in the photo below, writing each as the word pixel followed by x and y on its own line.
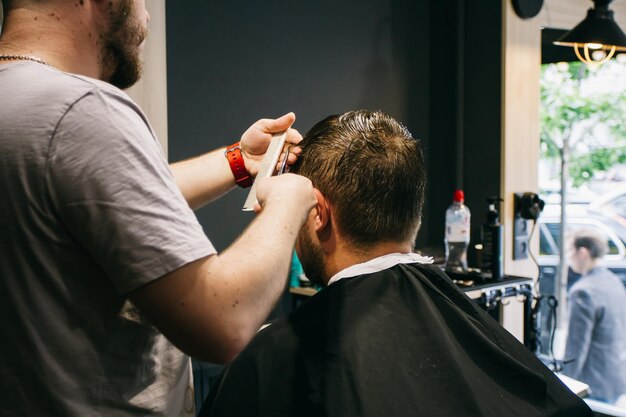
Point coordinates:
pixel 379 264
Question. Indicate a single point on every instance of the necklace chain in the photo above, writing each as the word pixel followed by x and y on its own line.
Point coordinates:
pixel 22 58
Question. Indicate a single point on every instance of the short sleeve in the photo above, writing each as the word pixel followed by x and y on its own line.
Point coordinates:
pixel 114 192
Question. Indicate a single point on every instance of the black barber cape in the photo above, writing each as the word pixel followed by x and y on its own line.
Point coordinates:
pixel 400 342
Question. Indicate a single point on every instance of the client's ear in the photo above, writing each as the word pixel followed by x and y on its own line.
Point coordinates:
pixel 322 209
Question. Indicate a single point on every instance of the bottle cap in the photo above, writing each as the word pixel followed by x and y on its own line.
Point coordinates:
pixel 459 196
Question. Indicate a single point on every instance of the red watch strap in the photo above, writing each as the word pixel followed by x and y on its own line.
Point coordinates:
pixel 235 160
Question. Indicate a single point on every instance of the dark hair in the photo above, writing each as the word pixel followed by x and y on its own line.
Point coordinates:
pixel 6 6
pixel 372 172
pixel 593 241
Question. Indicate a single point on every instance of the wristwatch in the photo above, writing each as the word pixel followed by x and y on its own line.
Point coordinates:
pixel 237 166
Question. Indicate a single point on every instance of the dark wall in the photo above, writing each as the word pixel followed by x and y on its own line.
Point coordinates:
pixel 465 112
pixel 230 64
pixel 482 113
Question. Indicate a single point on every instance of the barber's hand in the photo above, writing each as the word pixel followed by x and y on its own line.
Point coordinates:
pixel 290 191
pixel 256 139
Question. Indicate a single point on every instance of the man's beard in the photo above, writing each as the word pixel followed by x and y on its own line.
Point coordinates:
pixel 121 61
pixel 312 259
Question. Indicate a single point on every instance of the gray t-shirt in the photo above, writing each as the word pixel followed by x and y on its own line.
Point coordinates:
pixel 89 211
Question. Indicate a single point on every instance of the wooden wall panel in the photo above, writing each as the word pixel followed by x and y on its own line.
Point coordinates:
pixel 151 91
pixel 520 143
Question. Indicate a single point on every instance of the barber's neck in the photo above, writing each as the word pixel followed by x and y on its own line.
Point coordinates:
pixel 346 254
pixel 60 33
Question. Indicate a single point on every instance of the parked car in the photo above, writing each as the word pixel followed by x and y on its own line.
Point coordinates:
pixel 612 204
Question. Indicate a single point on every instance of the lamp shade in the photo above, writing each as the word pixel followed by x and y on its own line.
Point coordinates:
pixel 598 27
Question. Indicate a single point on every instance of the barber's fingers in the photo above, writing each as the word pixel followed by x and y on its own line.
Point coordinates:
pixel 256 138
pixel 292 157
pixel 294 153
pixel 292 192
pixel 277 125
pixel 281 124
pixel 293 137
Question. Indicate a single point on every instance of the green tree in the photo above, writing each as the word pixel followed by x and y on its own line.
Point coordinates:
pixel 591 123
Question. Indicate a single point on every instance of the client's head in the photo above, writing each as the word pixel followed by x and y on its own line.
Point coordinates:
pixel 371 178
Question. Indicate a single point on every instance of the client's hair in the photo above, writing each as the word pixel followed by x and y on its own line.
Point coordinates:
pixel 11 4
pixel 595 243
pixel 372 172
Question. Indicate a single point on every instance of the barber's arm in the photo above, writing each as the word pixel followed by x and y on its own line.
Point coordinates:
pixel 212 307
pixel 207 177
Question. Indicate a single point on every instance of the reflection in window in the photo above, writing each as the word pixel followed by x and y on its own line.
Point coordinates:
pixel 549 244
pixel 583 108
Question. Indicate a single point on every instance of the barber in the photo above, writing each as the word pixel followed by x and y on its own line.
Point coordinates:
pixel 107 280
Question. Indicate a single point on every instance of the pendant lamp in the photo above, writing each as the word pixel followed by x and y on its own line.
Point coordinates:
pixel 596 39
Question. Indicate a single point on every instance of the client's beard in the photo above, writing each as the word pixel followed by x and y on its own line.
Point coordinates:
pixel 312 260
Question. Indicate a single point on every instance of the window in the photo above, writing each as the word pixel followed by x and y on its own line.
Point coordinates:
pixel 582 113
pixel 547 244
pixel 618 206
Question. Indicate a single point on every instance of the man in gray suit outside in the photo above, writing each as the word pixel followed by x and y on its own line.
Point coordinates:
pixel 596 342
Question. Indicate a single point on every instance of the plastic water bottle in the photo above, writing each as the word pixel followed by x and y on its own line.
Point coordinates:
pixel 457 235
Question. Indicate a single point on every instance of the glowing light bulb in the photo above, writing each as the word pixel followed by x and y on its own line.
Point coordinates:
pixel 594 59
pixel 598 55
pixel 594 45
